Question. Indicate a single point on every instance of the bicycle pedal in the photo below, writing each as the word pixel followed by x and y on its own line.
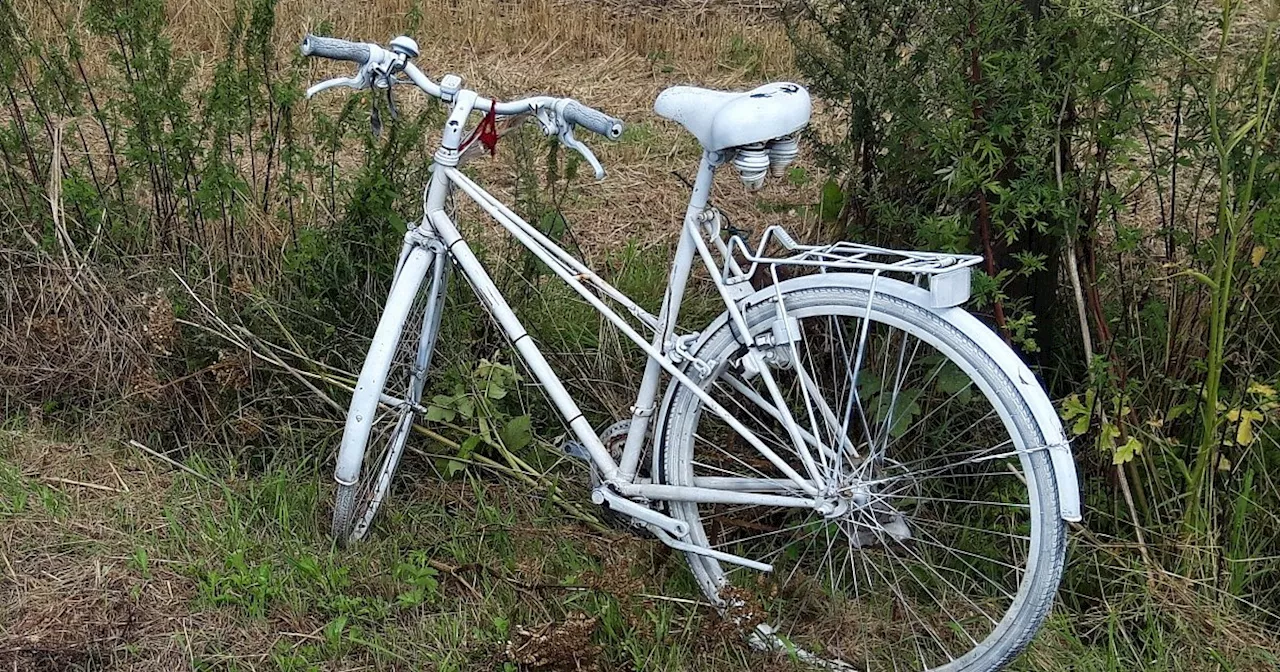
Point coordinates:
pixel 574 448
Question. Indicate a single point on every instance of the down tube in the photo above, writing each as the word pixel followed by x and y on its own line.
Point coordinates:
pixel 523 343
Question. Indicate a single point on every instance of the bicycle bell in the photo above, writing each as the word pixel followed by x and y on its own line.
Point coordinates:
pixel 405 46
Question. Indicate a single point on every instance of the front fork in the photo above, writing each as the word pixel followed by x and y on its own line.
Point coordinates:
pixel 377 364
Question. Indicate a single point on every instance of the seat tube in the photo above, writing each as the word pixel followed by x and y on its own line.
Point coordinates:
pixel 645 406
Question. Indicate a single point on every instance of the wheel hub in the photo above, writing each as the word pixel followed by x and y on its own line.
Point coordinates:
pixel 856 495
pixel 873 519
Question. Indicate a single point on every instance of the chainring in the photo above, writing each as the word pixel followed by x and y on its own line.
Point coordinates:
pixel 614 438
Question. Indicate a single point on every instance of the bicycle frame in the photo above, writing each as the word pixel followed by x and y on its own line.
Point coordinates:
pixel 438 233
pixel 438 236
pixel 826 295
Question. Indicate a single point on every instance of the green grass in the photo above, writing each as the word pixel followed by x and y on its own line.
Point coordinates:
pixel 232 570
pixel 448 577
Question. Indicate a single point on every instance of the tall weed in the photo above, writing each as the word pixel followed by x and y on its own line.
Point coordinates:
pixel 1116 164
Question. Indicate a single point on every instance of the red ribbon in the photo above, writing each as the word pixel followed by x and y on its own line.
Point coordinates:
pixel 487 132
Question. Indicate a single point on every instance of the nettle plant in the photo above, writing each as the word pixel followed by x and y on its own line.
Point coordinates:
pixel 1116 163
pixel 946 136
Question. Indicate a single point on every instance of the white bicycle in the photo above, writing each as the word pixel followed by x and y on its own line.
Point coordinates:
pixel 849 429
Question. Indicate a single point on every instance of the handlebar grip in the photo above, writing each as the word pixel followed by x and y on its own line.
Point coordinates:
pixel 592 119
pixel 335 48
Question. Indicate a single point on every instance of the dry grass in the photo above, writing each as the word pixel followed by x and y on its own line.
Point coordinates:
pixel 616 56
pixel 613 55
pixel 68 598
pixel 67 336
pixel 111 561
pixel 107 558
pixel 73 591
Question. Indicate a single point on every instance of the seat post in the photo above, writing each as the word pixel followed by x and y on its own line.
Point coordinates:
pixel 702 184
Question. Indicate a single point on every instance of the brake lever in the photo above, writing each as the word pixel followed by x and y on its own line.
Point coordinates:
pixel 369 75
pixel 360 81
pixel 567 139
pixel 552 124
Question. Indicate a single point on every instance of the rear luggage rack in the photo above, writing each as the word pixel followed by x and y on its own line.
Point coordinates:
pixel 945 275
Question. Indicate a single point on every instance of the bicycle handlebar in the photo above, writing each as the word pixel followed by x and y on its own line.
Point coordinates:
pixel 378 67
pixel 336 49
pixel 592 119
pixel 363 53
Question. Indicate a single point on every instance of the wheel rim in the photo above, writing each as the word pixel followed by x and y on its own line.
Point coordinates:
pixel 916 571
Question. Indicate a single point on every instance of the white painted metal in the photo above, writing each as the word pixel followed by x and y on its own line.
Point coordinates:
pixel 767 406
pixel 947 275
pixel 1042 409
pixel 686 493
pixel 707 552
pixel 568 261
pixel 603 495
pixel 721 121
pixel 373 374
pixel 755 131
pixel 554 389
pixel 524 345
pixel 664 333
pixel 744 484
pixel 724 119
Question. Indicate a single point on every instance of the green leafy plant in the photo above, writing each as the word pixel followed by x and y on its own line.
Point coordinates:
pixel 1114 164
pixel 419 577
pixel 479 407
pixel 249 586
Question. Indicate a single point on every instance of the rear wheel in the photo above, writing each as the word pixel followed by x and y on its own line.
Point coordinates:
pixel 940 546
pixel 356 505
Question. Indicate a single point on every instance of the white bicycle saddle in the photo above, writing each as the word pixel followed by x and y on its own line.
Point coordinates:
pixel 723 119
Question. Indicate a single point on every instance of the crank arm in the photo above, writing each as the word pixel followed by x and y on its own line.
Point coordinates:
pixel 605 496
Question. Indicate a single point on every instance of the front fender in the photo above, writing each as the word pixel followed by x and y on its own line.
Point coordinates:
pixel 1064 467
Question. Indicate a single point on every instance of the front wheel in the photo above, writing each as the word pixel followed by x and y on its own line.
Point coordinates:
pixel 939 546
pixel 393 377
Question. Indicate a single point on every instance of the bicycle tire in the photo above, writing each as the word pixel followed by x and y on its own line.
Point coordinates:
pixel 685 428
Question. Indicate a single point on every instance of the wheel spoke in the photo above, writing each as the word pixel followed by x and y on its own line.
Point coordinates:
pixel 924 537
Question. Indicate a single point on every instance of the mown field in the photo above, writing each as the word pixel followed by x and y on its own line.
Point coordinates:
pixel 165 480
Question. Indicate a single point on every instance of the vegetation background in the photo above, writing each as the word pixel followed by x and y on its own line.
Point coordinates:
pixel 192 257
